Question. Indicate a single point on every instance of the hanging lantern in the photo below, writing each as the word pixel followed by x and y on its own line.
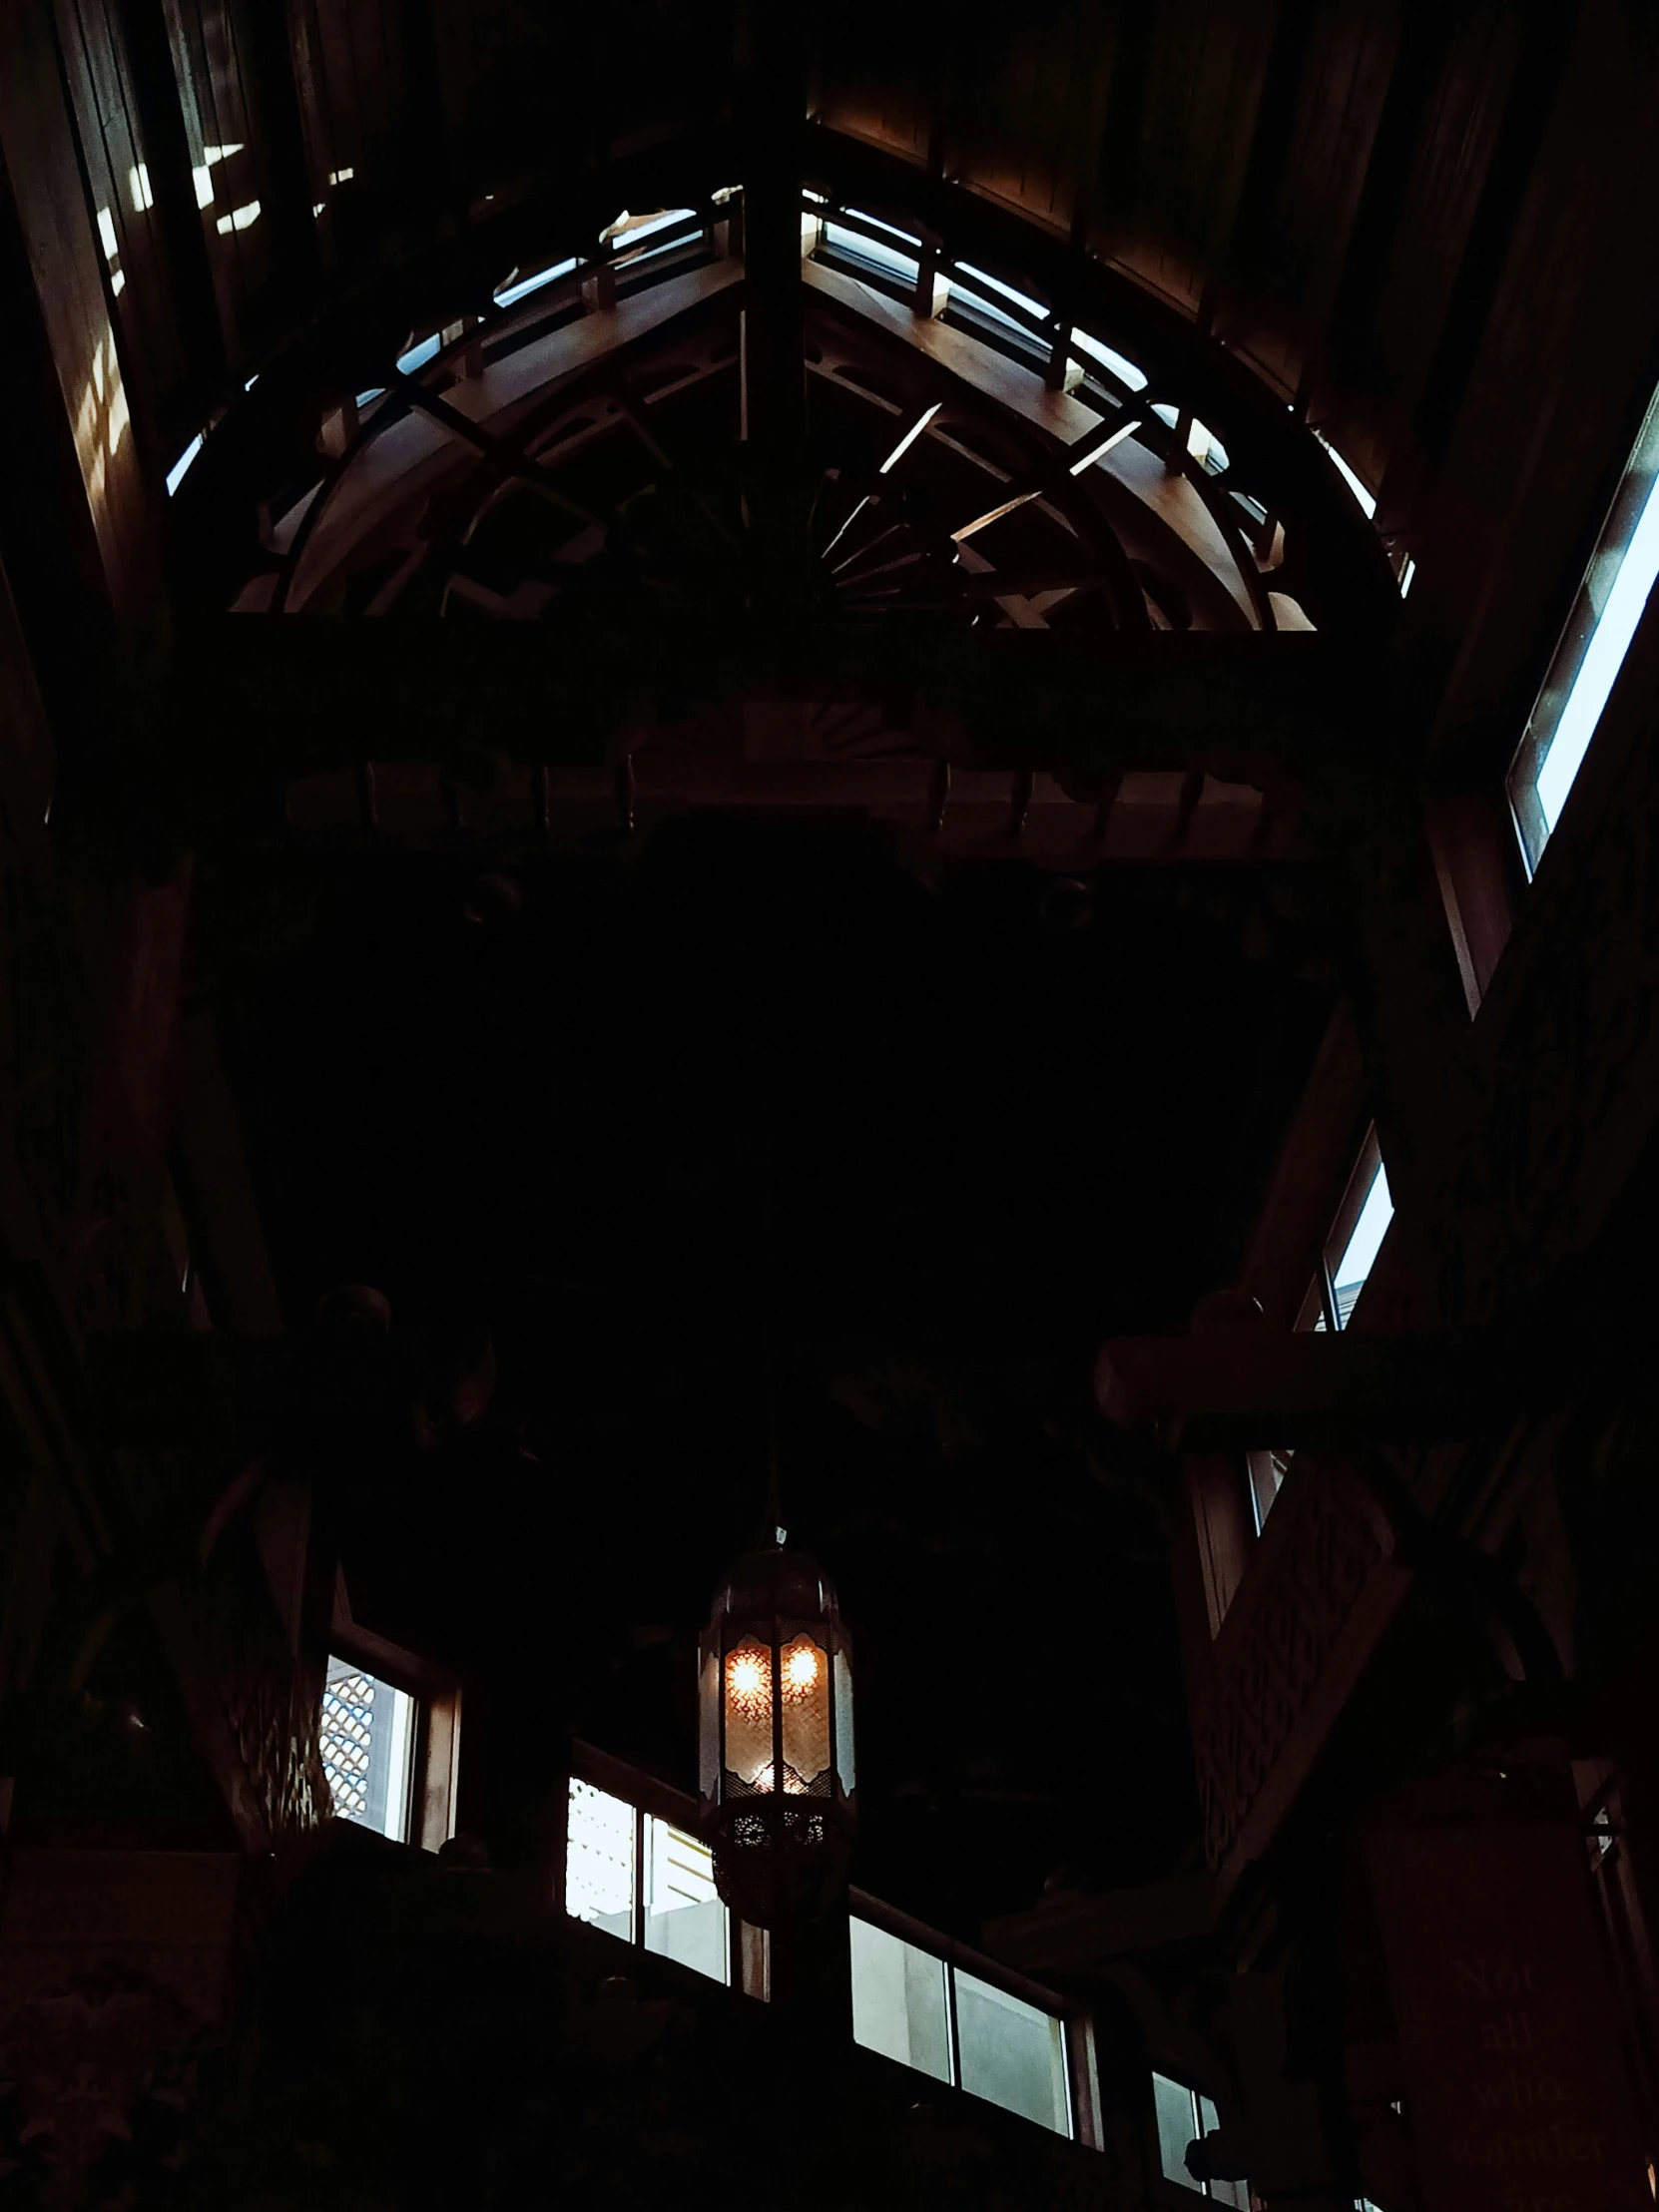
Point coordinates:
pixel 775 1779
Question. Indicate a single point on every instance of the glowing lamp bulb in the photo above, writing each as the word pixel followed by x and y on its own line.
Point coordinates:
pixel 801 1670
pixel 747 1678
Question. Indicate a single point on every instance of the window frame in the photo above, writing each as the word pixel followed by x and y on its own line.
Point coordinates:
pixel 1318 1309
pixel 1076 2024
pixel 749 1953
pixel 1638 483
pixel 435 1733
pixel 1190 2186
pixel 748 1949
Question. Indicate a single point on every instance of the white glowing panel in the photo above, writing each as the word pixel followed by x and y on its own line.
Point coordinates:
pixel 684 1918
pixel 900 2007
pixel 1011 2053
pixel 599 1861
pixel 1348 1276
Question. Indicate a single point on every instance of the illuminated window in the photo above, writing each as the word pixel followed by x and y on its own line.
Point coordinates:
pixel 517 289
pixel 175 475
pixel 1350 1249
pixel 1184 2117
pixel 645 1880
pixel 1011 2053
pixel 684 1918
pixel 419 355
pixel 367 1742
pixel 921 2009
pixel 1267 1471
pixel 874 252
pixel 600 1861
pixel 1367 501
pixel 1117 363
pixel 1201 443
pixel 1599 634
pixel 899 2001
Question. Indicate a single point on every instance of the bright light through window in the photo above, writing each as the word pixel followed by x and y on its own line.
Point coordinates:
pixel 1027 305
pixel 1119 364
pixel 519 289
pixel 1361 1224
pixel 599 1860
pixel 175 475
pixel 684 1916
pixel 1367 501
pixel 1603 621
pixel 368 1745
pixel 874 252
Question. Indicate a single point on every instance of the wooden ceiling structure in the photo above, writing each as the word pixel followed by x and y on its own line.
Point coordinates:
pixel 1375 221
pixel 1417 237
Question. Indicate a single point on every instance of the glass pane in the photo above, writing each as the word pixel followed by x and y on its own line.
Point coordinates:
pixel 1011 2053
pixel 368 1745
pixel 1266 1478
pixel 684 1918
pixel 707 1726
pixel 1121 368
pixel 1348 1276
pixel 749 1713
pixel 856 247
pixel 806 1674
pixel 1177 2127
pixel 899 2002
pixel 1625 602
pixel 599 1861
pixel 844 1722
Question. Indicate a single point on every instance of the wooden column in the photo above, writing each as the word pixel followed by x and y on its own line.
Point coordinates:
pixel 267 61
pixel 772 88
pixel 161 126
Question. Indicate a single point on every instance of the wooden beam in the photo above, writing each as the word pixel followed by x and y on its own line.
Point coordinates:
pixel 1242 1389
pixel 184 245
pixel 773 103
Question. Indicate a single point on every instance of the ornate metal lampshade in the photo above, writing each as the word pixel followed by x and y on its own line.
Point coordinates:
pixel 775 1776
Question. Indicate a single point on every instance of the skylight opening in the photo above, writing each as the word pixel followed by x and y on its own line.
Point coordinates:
pixel 521 289
pixel 1367 501
pixel 202 179
pixel 419 355
pixel 1351 1251
pixel 342 176
pixel 634 228
pixel 1038 314
pixel 905 238
pixel 874 253
pixel 213 154
pixel 240 219
pixel 175 475
pixel 1118 364
pixel 983 310
pixel 137 186
pixel 106 234
pixel 1201 443
pixel 1605 616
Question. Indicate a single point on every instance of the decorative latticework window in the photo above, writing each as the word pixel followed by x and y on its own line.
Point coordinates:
pixel 367 1740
